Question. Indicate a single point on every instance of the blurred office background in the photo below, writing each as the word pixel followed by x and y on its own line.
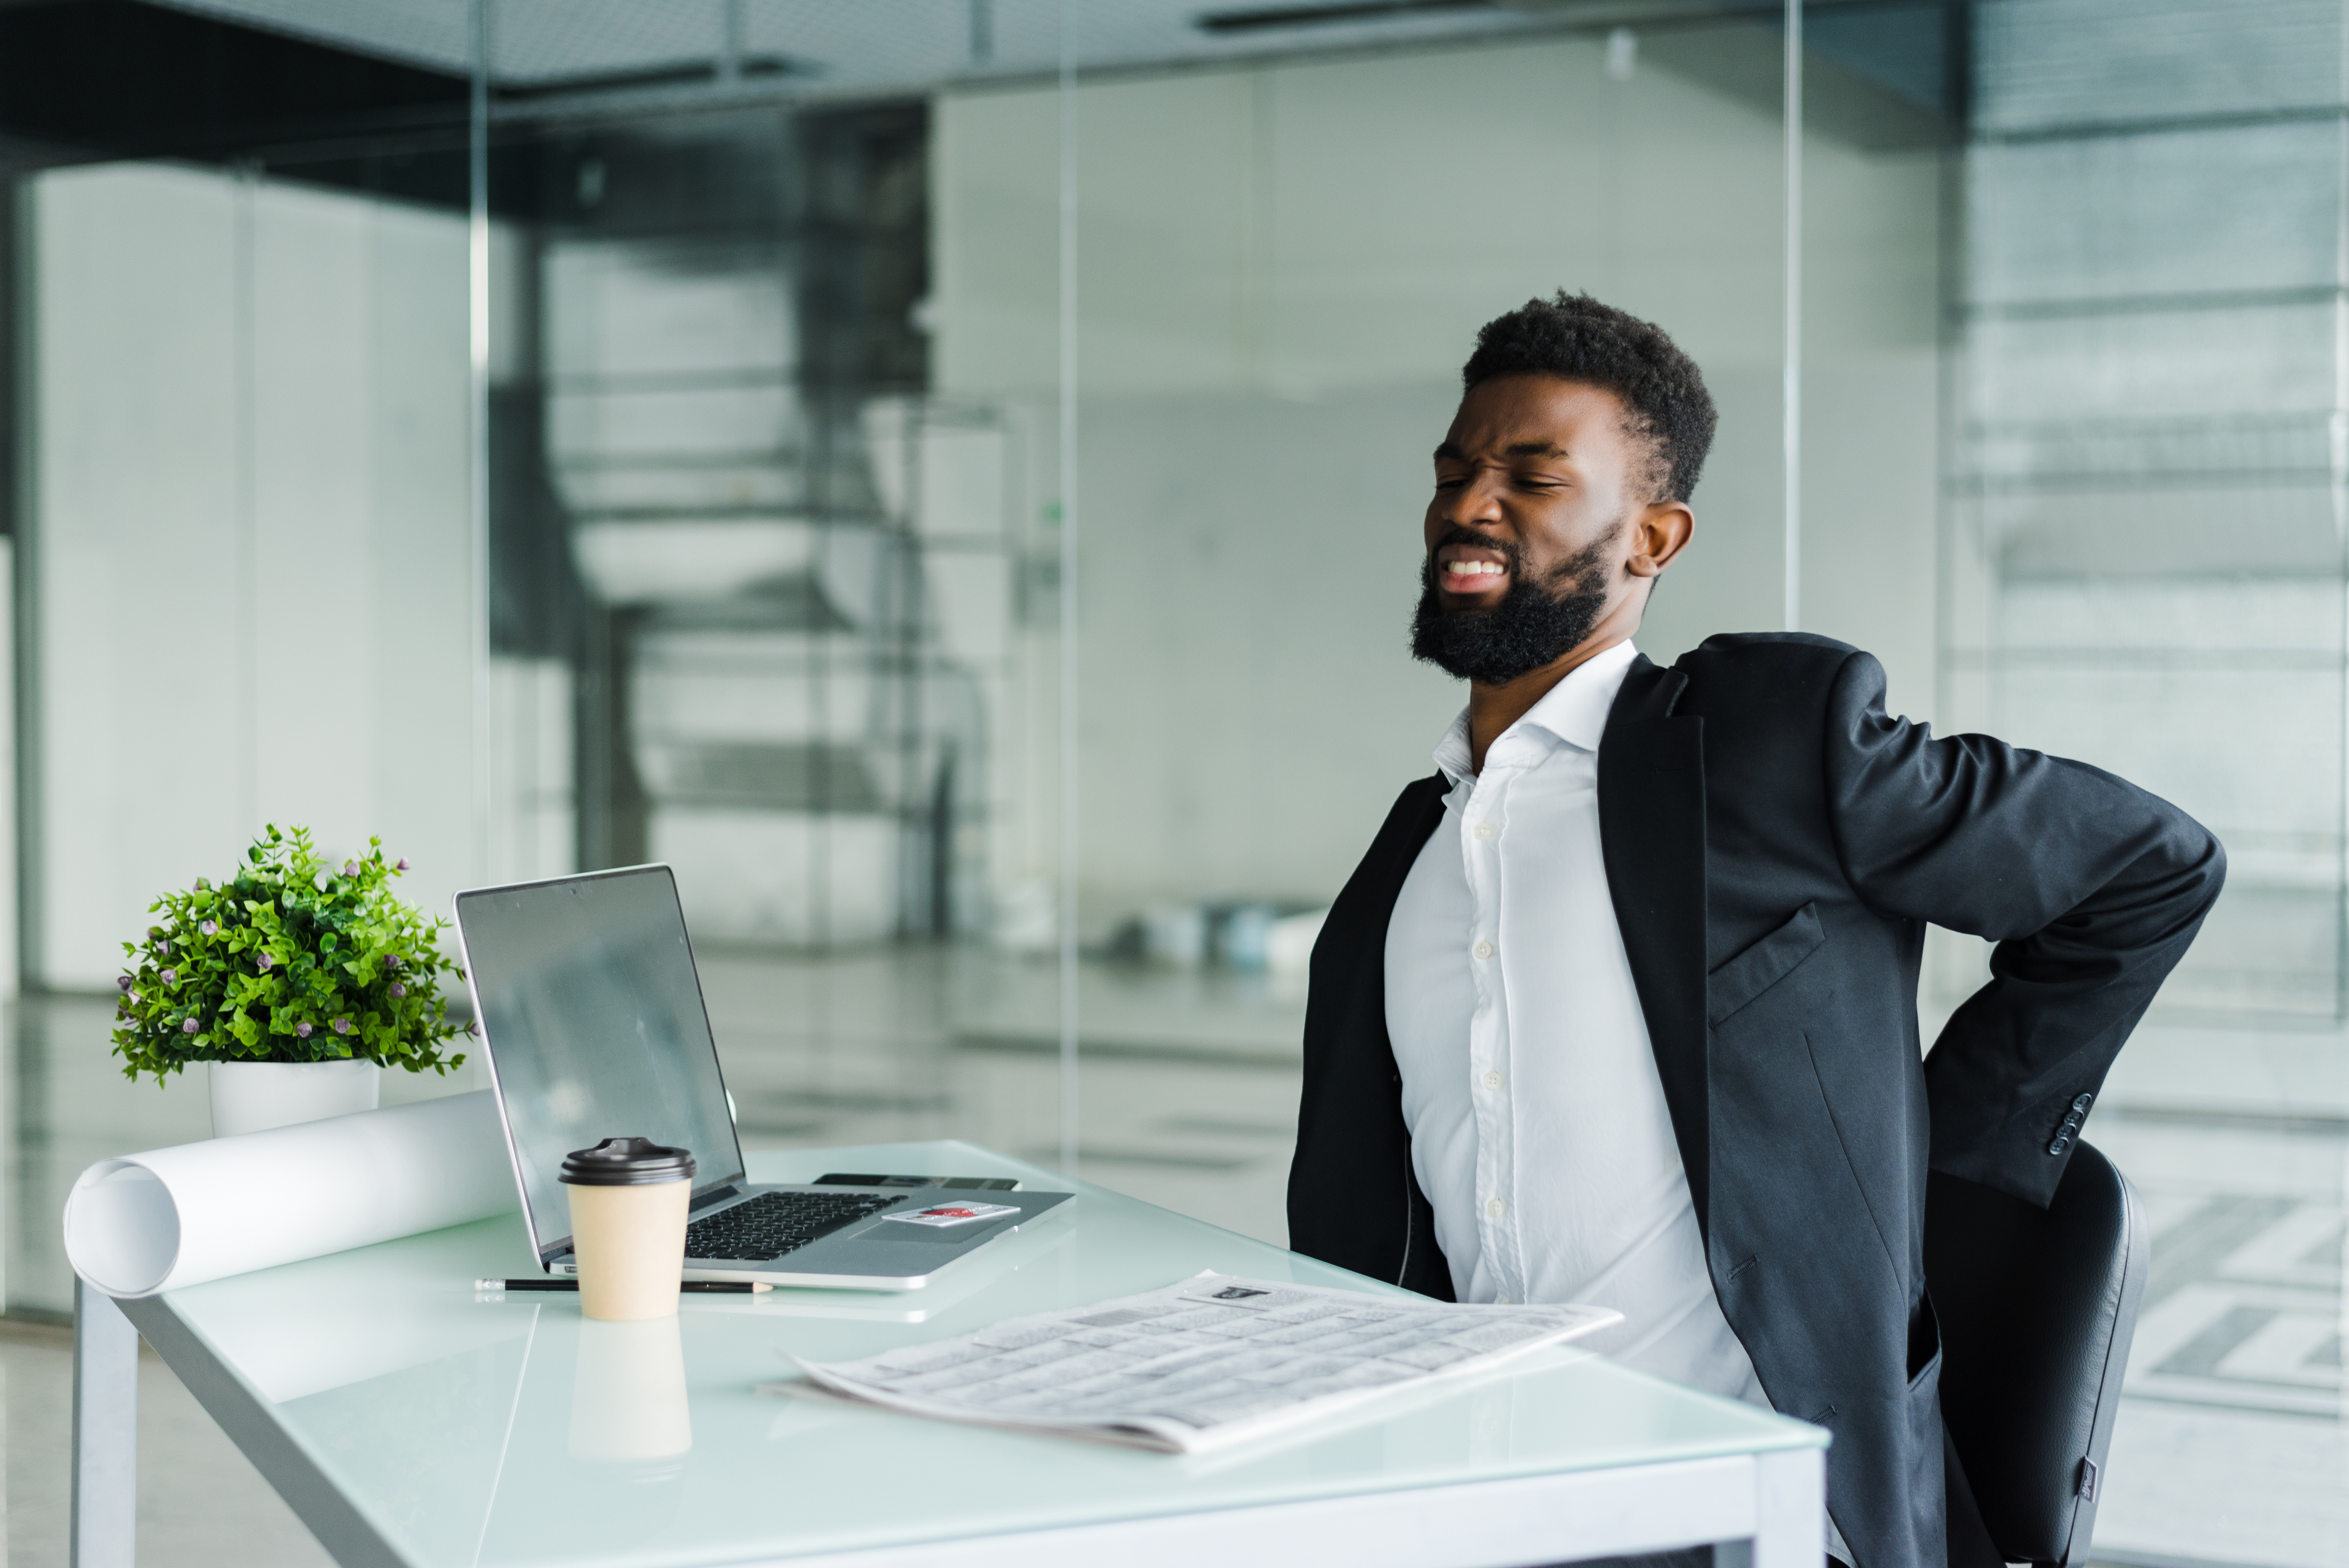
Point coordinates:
pixel 945 476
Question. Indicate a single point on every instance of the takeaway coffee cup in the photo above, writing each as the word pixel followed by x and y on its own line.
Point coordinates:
pixel 627 1226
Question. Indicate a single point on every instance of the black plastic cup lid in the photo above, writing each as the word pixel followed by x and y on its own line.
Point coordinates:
pixel 627 1163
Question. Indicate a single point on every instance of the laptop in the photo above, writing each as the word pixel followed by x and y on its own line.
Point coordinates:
pixel 593 1025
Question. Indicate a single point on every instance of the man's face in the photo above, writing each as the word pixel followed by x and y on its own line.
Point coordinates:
pixel 1541 529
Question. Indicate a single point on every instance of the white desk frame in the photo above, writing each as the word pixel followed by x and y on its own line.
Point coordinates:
pixel 1762 1510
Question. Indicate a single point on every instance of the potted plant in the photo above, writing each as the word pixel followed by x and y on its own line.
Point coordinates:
pixel 297 979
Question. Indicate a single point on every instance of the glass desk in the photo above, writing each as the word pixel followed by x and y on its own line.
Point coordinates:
pixel 411 1422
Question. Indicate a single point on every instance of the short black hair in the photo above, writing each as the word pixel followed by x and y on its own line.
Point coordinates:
pixel 1575 338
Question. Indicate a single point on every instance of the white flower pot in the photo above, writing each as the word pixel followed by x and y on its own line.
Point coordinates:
pixel 252 1096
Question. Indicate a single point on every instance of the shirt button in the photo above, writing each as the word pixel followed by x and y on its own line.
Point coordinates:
pixel 1484 950
pixel 1496 1208
pixel 1483 829
pixel 1493 1081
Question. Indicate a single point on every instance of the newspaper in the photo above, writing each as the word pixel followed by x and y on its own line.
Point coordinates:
pixel 1197 1364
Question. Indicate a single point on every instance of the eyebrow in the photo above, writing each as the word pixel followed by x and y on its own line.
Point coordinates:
pixel 1520 449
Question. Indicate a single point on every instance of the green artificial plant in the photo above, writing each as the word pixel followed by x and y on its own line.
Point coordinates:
pixel 294 959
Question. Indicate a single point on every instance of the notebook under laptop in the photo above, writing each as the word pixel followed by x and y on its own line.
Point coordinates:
pixel 593 1025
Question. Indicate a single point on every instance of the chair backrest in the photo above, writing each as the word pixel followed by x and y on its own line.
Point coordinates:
pixel 2037 1307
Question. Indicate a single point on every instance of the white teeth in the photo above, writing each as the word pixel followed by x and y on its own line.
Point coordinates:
pixel 1473 568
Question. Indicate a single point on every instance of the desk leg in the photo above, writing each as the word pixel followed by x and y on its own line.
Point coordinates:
pixel 105 1433
pixel 1790 1509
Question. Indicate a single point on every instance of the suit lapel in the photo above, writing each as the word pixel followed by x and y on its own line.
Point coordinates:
pixel 1358 920
pixel 1418 825
pixel 1651 833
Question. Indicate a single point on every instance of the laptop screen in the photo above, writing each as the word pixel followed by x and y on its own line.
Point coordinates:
pixel 592 1020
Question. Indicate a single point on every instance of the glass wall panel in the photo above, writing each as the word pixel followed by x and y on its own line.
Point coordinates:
pixel 2144 570
pixel 758 602
pixel 241 523
pixel 1880 109
pixel 1282 264
pixel 781 593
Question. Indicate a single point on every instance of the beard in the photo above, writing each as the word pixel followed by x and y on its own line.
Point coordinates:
pixel 1534 623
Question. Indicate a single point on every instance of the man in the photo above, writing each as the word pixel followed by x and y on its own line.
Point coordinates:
pixel 1621 1006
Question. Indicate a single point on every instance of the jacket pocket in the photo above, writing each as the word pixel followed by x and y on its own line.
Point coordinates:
pixel 1763 964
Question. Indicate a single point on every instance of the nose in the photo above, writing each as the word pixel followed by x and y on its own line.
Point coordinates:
pixel 1476 504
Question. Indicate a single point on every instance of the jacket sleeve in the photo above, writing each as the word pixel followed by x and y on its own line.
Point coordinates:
pixel 2091 888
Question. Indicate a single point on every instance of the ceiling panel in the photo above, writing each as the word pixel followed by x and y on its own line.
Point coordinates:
pixel 861 45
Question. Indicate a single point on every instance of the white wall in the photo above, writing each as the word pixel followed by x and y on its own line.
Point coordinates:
pixel 252 512
pixel 1280 270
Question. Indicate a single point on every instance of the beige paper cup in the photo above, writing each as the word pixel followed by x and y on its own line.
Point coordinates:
pixel 628 1199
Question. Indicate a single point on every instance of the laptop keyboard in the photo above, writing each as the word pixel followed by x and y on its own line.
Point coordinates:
pixel 774 1223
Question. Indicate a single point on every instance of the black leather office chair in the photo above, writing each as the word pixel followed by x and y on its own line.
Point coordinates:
pixel 2037 1309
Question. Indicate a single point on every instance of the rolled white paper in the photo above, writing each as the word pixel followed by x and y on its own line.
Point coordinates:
pixel 155 1222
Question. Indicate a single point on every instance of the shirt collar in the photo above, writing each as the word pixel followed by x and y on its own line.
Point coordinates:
pixel 1574 710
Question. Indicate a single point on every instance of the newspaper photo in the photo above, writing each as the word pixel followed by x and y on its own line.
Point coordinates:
pixel 1209 1361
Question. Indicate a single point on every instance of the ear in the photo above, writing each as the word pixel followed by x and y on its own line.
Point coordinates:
pixel 1660 532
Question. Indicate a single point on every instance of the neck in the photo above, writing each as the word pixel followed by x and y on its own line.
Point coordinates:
pixel 1493 708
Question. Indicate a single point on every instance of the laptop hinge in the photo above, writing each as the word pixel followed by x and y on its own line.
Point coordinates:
pixel 716 1195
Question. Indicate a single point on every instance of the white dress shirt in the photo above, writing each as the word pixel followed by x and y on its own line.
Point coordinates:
pixel 1538 1127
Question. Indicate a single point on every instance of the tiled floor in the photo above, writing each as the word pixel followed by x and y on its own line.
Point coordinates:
pixel 2232 1447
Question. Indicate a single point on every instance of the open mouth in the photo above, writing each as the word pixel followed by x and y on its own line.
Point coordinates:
pixel 1470 569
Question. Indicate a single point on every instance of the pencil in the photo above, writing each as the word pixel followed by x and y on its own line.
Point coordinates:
pixel 701 1286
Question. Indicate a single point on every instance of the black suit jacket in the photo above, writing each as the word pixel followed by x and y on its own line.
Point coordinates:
pixel 1774 846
